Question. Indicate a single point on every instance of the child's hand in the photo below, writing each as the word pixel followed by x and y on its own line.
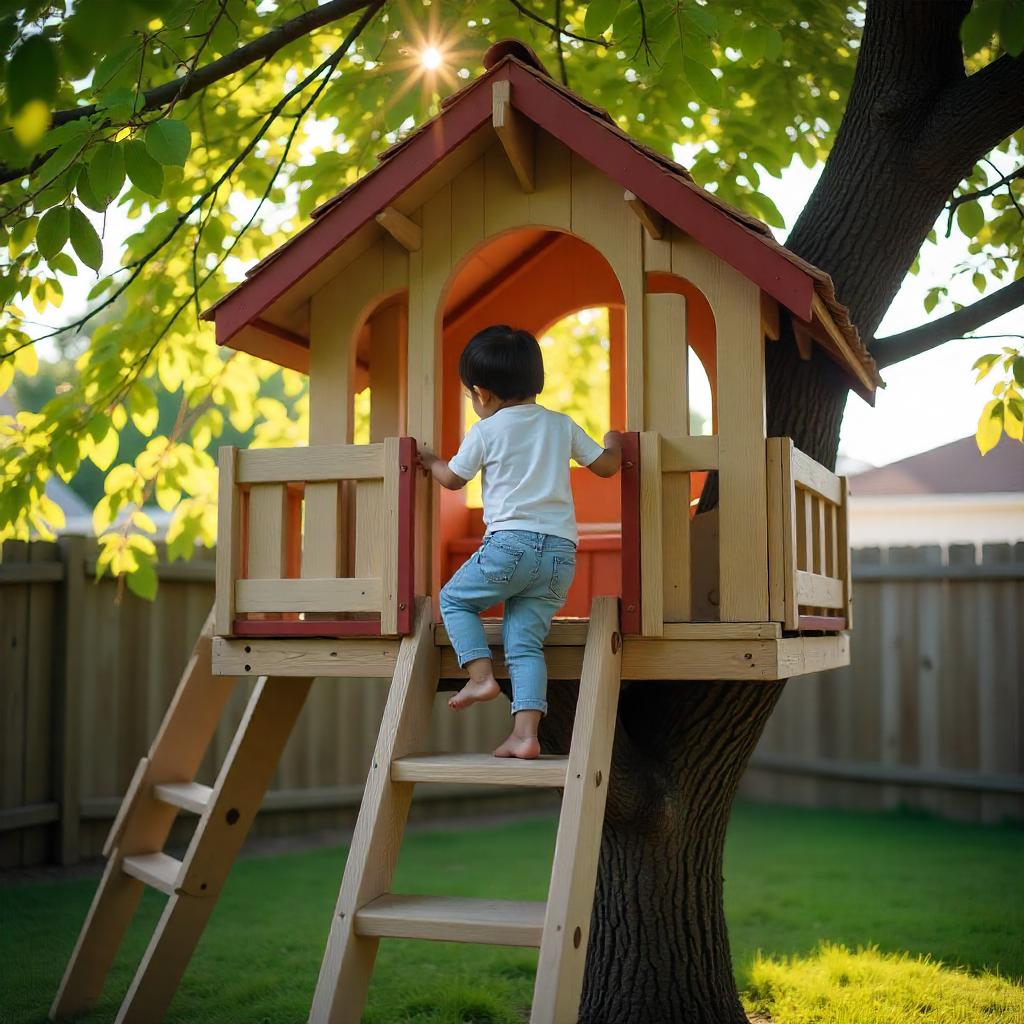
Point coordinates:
pixel 613 440
pixel 425 459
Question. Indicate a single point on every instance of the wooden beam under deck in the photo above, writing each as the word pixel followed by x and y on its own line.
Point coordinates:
pixel 747 658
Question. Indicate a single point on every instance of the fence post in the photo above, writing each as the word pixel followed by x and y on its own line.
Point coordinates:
pixel 68 675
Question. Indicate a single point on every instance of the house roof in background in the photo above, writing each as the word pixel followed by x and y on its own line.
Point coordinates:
pixel 739 239
pixel 954 468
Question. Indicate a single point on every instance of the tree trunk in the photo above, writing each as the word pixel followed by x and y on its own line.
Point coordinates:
pixel 659 950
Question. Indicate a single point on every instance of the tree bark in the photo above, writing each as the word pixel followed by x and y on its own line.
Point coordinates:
pixel 659 950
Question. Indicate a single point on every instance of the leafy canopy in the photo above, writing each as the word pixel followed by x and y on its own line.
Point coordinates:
pixel 210 181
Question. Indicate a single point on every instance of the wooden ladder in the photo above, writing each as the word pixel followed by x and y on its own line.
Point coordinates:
pixel 162 786
pixel 368 911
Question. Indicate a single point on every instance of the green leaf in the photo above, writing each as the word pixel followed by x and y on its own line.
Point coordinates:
pixel 600 14
pixel 702 19
pixel 57 191
pixel 143 171
pixel 62 263
pixel 1011 28
pixel 1018 371
pixel 990 426
pixel 87 195
pixel 32 73
pixel 106 172
pixel 52 232
pixel 168 141
pixel 761 41
pixel 105 450
pixel 86 242
pixel 978 27
pixel 768 210
pixel 143 580
pixel 703 82
pixel 145 414
pixel 29 124
pixel 22 234
pixel 983 364
pixel 979 282
pixel 970 218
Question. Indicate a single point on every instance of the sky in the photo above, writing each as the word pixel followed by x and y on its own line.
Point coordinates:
pixel 929 400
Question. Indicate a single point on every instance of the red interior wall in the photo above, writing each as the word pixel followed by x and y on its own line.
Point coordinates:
pixel 566 276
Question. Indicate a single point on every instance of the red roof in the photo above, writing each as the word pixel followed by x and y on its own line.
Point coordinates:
pixel 955 468
pixel 739 239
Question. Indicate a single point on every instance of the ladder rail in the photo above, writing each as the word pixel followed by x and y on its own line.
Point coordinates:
pixel 349 957
pixel 143 824
pixel 563 950
pixel 245 774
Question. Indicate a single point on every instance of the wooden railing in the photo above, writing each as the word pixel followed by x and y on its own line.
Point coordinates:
pixel 667 565
pixel 316 541
pixel 657 565
pixel 808 541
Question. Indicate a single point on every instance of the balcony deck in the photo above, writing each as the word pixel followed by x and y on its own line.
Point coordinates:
pixel 754 652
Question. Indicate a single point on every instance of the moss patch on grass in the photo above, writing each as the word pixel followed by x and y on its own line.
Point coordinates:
pixel 836 986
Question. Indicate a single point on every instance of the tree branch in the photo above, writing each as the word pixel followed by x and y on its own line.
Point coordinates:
pixel 898 347
pixel 176 90
pixel 967 197
pixel 975 114
pixel 527 13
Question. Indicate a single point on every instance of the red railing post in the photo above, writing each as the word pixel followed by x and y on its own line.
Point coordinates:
pixel 630 476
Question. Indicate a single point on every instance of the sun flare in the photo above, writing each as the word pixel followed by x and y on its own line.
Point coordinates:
pixel 431 58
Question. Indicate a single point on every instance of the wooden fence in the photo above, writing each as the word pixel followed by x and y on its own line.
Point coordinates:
pixel 929 714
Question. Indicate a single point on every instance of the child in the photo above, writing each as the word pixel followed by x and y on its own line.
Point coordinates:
pixel 528 555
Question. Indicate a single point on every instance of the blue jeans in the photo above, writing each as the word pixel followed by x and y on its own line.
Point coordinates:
pixel 531 573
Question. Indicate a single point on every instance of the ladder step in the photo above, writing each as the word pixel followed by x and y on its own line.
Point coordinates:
pixel 189 796
pixel 157 870
pixel 453 919
pixel 483 769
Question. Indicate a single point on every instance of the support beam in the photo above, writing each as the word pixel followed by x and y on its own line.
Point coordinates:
pixel 804 341
pixel 653 222
pixel 404 231
pixel 769 317
pixel 514 133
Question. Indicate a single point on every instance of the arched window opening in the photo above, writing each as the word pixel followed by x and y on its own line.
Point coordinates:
pixel 563 290
pixel 577 377
pixel 701 414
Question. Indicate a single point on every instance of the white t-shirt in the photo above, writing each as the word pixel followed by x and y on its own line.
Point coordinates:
pixel 524 452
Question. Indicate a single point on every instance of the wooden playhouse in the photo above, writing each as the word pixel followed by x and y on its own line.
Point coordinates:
pixel 519 202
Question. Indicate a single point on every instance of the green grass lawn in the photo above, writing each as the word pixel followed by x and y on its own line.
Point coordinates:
pixel 794 880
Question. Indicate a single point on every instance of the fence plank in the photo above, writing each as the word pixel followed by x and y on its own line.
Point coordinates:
pixel 13 651
pixel 39 668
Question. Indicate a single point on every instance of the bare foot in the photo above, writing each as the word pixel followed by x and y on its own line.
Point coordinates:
pixel 527 747
pixel 474 692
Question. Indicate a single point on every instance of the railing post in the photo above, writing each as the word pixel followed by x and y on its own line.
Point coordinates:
pixel 405 587
pixel 630 515
pixel 228 543
pixel 67 728
pixel 652 553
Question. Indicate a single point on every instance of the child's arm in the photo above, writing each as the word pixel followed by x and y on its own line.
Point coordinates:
pixel 608 462
pixel 438 469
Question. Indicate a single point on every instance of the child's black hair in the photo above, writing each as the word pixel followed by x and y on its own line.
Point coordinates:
pixel 504 360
